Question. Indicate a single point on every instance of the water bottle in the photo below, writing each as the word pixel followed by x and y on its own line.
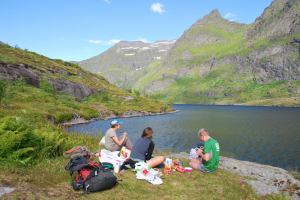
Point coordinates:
pixel 117 166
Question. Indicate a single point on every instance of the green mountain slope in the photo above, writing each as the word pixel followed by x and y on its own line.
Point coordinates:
pixel 69 90
pixel 232 69
pixel 223 62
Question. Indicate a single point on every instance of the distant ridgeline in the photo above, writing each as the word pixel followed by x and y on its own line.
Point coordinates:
pixel 215 61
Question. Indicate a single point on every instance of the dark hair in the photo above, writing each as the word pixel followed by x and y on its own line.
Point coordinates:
pixel 114 125
pixel 147 132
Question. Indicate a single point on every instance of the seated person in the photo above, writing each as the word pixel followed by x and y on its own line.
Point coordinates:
pixel 112 141
pixel 208 159
pixel 143 148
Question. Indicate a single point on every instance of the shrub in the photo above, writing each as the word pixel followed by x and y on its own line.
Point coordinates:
pixel 88 113
pixel 63 117
pixel 18 140
pixel 26 144
pixel 2 89
pixel 46 86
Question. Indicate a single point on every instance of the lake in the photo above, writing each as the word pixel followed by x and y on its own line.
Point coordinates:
pixel 267 135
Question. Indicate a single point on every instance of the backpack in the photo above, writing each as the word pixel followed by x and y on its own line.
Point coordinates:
pixel 77 151
pixel 90 176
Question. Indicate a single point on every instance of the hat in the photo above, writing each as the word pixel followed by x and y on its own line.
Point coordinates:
pixel 115 121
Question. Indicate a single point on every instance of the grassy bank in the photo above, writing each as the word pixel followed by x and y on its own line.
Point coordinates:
pixel 48 180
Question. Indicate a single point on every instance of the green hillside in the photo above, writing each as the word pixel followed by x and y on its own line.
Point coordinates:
pixel 38 93
pixel 226 68
pixel 217 61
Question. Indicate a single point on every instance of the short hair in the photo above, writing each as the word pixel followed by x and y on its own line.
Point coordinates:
pixel 114 125
pixel 147 132
pixel 203 132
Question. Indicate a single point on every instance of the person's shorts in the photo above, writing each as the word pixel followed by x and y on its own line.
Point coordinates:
pixel 202 169
pixel 138 160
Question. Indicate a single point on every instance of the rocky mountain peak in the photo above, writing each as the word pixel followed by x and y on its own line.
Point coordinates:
pixel 214 14
pixel 282 17
pixel 212 17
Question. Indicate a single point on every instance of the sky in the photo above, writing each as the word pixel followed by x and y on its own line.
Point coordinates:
pixel 75 30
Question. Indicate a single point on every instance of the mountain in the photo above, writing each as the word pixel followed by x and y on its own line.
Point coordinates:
pixel 281 18
pixel 34 85
pixel 222 62
pixel 119 63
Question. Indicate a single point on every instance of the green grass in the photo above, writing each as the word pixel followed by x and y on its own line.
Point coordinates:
pixel 48 179
pixel 224 86
pixel 233 43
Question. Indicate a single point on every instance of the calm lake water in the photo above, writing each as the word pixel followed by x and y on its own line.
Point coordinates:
pixel 268 135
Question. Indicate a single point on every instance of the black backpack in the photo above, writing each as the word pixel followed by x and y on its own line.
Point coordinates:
pixel 91 176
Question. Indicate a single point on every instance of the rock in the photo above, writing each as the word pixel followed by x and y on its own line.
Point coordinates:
pixel 77 90
pixel 264 179
pixel 159 85
pixel 295 197
pixel 74 121
pixel 32 76
pixel 14 72
pixel 6 190
pixel 280 18
pixel 128 98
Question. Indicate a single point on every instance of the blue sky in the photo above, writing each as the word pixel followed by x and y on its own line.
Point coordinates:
pixel 80 29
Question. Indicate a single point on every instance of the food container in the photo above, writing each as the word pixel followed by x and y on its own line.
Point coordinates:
pixel 188 169
pixel 180 169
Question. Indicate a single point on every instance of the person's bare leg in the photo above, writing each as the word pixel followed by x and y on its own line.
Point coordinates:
pixel 195 163
pixel 153 162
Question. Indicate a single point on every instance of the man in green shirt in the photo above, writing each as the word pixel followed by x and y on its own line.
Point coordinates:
pixel 208 160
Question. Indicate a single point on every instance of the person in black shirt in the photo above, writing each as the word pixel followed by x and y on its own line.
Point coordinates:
pixel 143 148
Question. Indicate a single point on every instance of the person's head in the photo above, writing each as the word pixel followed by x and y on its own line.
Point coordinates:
pixel 203 135
pixel 147 133
pixel 115 124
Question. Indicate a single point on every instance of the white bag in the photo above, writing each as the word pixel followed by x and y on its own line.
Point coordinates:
pixel 102 141
pixel 193 154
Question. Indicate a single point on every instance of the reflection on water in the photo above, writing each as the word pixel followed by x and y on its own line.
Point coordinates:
pixel 268 135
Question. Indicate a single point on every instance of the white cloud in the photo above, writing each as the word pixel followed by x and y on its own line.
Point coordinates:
pixel 107 1
pixel 158 8
pixel 104 42
pixel 96 41
pixel 230 16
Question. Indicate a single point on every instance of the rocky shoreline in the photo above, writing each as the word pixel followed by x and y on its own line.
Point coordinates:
pixel 264 179
pixel 129 114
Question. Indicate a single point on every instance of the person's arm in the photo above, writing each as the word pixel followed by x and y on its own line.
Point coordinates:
pixel 120 142
pixel 204 156
pixel 149 152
